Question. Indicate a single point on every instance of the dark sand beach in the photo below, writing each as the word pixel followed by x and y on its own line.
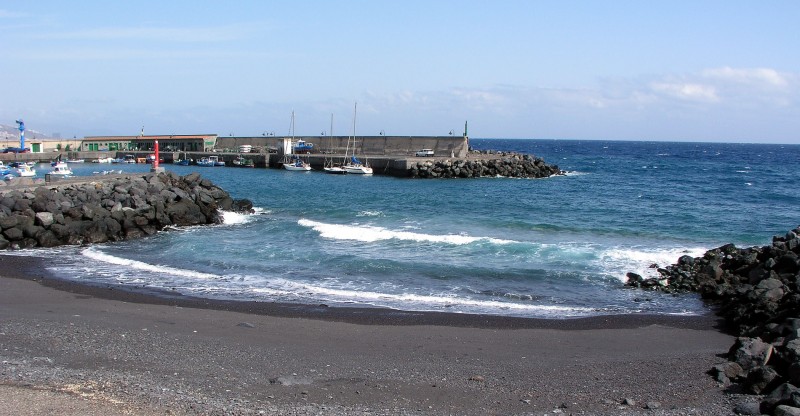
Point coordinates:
pixel 74 349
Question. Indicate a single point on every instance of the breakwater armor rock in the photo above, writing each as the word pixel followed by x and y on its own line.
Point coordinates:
pixel 510 165
pixel 757 291
pixel 99 210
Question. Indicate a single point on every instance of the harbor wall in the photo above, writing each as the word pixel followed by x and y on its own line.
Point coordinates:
pixel 442 146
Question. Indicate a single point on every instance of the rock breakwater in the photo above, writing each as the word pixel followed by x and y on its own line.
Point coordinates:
pixel 510 165
pixel 106 209
pixel 757 291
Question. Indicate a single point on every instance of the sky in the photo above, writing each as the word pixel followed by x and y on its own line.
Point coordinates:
pixel 720 71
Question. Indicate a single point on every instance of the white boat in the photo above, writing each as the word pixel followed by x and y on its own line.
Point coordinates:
pixel 61 168
pixel 297 164
pixel 293 162
pixel 75 160
pixel 129 159
pixel 24 170
pixel 103 159
pixel 329 165
pixel 353 165
pixel 335 170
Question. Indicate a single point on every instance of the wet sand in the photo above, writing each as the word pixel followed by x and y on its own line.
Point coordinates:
pixel 69 346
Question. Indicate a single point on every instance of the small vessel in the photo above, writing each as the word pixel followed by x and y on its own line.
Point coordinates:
pixel 129 159
pixel 334 170
pixel 75 160
pixel 241 161
pixel 292 161
pixel 216 161
pixel 205 162
pixel 296 164
pixel 329 165
pixel 103 159
pixel 61 168
pixel 24 170
pixel 302 146
pixel 353 165
pixel 182 161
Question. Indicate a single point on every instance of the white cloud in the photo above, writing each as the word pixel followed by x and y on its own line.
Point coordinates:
pixel 748 76
pixel 686 91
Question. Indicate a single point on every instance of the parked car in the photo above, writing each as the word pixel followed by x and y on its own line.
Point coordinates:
pixel 424 152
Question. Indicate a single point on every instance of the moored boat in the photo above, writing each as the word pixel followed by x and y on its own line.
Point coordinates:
pixel 353 165
pixel 24 170
pixel 205 162
pixel 62 169
pixel 296 164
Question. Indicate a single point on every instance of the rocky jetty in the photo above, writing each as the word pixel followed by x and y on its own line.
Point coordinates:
pixel 510 165
pixel 99 210
pixel 757 291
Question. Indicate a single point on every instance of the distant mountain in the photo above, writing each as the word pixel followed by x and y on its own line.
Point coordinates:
pixel 12 133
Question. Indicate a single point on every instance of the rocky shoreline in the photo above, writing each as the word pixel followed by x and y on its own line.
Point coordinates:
pixel 109 209
pixel 507 164
pixel 757 291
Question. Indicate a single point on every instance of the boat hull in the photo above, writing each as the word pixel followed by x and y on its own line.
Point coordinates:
pixel 296 168
pixel 358 170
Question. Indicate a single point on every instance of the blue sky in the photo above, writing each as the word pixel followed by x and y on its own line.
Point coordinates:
pixel 627 70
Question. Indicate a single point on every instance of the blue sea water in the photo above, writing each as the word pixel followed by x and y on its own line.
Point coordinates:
pixel 547 248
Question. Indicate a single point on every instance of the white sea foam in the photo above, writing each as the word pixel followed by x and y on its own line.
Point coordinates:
pixel 370 214
pixel 424 302
pixel 235 218
pixel 368 233
pixel 619 261
pixel 97 255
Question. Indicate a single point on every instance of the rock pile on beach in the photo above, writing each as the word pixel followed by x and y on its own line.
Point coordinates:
pixel 109 209
pixel 509 165
pixel 757 291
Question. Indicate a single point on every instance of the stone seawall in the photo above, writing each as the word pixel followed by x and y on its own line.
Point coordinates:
pixel 99 210
pixel 510 165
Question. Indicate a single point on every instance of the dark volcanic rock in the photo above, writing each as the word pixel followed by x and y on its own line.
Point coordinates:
pixel 109 209
pixel 757 291
pixel 513 165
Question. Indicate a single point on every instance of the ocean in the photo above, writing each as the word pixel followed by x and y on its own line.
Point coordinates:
pixel 543 248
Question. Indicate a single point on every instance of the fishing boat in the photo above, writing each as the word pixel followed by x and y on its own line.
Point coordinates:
pixel 241 161
pixel 103 159
pixel 205 162
pixel 353 165
pixel 129 159
pixel 24 170
pixel 62 169
pixel 303 146
pixel 181 161
pixel 75 160
pixel 216 161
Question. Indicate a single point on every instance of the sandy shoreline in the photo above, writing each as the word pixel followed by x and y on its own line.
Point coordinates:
pixel 138 353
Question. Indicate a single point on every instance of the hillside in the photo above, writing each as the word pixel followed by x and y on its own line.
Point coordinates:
pixel 12 133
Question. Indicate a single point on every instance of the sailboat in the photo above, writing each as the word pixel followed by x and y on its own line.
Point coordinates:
pixel 354 165
pixel 330 167
pixel 291 161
